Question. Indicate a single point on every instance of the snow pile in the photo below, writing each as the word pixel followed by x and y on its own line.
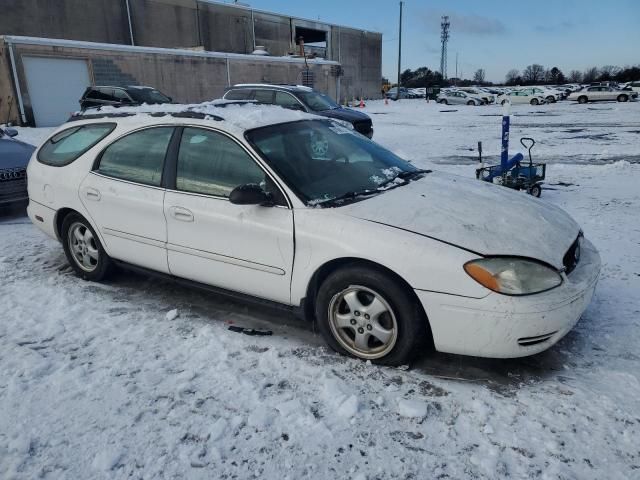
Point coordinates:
pixel 98 381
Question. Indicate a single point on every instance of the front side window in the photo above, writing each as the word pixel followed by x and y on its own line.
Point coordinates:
pixel 138 157
pixel 148 95
pixel 66 146
pixel 321 160
pixel 319 101
pixel 213 164
pixel 287 100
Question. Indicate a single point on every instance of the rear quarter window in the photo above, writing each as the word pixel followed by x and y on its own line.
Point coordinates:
pixel 239 94
pixel 66 146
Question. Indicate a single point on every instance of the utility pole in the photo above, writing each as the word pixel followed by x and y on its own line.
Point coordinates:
pixel 457 66
pixel 399 53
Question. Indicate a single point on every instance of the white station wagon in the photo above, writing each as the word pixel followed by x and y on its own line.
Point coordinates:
pixel 302 211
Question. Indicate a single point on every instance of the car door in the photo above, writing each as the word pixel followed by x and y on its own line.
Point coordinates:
pixel 124 196
pixel 245 248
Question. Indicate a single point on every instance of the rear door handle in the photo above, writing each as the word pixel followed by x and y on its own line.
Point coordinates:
pixel 181 214
pixel 92 194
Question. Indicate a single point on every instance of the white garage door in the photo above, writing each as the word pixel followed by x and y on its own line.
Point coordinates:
pixel 55 86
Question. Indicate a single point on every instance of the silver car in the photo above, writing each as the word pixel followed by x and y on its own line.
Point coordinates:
pixel 597 93
pixel 457 97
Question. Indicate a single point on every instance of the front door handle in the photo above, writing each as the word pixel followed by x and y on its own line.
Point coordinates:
pixel 92 194
pixel 181 214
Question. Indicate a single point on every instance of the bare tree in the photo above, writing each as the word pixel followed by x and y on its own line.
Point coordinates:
pixel 478 77
pixel 590 75
pixel 533 73
pixel 512 76
pixel 575 76
pixel 609 71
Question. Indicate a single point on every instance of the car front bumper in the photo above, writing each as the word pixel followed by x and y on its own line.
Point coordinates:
pixel 501 326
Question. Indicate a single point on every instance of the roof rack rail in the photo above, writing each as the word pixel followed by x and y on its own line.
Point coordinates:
pixel 184 114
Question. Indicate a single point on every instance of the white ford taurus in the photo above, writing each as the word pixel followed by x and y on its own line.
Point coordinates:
pixel 290 208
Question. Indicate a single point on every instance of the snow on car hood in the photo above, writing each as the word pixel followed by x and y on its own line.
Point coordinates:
pixel 474 215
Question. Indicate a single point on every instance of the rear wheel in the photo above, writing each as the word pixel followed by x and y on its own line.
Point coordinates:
pixel 365 313
pixel 536 191
pixel 443 101
pixel 623 98
pixel 534 101
pixel 83 249
pixel 583 99
pixel 471 102
pixel 551 99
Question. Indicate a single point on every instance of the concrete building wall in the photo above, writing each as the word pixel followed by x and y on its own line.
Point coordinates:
pixel 186 77
pixel 87 20
pixel 165 23
pixel 225 29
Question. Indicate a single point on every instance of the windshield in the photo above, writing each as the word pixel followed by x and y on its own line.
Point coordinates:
pixel 148 95
pixel 321 160
pixel 317 101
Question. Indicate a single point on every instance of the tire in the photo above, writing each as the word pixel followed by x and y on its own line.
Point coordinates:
pixel 443 101
pixel 551 99
pixel 471 102
pixel 342 305
pixel 503 102
pixel 623 98
pixel 583 100
pixel 534 101
pixel 536 191
pixel 83 249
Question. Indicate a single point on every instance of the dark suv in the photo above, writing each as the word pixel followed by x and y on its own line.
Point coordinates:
pixel 101 96
pixel 297 97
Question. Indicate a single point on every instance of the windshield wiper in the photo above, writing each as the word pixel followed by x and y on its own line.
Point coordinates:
pixel 405 175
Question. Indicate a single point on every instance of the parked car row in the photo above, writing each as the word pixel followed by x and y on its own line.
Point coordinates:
pixel 537 95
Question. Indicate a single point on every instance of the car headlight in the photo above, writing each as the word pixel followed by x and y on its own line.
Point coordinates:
pixel 513 275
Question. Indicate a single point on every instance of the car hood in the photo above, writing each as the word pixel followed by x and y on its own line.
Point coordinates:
pixel 344 114
pixel 14 154
pixel 473 215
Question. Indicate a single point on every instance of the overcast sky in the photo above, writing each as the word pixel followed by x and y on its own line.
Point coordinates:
pixel 496 35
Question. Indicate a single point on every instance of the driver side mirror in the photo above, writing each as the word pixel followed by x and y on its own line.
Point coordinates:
pixel 11 132
pixel 250 194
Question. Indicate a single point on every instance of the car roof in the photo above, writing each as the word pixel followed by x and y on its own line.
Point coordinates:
pixel 232 116
pixel 289 88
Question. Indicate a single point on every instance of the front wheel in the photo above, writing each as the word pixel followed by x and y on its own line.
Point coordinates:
pixel 551 99
pixel 471 102
pixel 364 313
pixel 623 98
pixel 443 101
pixel 583 100
pixel 534 101
pixel 83 249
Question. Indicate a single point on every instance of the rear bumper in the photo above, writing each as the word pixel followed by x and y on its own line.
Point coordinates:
pixel 501 326
pixel 43 217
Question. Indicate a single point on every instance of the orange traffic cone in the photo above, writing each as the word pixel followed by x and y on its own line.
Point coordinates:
pixel 361 103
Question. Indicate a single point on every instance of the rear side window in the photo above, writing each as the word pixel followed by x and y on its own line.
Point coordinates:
pixel 64 147
pixel 264 96
pixel 138 157
pixel 241 94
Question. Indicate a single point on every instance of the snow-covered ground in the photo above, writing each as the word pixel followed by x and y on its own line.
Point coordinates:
pixel 105 381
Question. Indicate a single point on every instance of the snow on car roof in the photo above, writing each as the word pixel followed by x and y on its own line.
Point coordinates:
pixel 241 116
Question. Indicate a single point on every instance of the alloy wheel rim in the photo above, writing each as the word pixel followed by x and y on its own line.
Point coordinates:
pixel 83 247
pixel 363 322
